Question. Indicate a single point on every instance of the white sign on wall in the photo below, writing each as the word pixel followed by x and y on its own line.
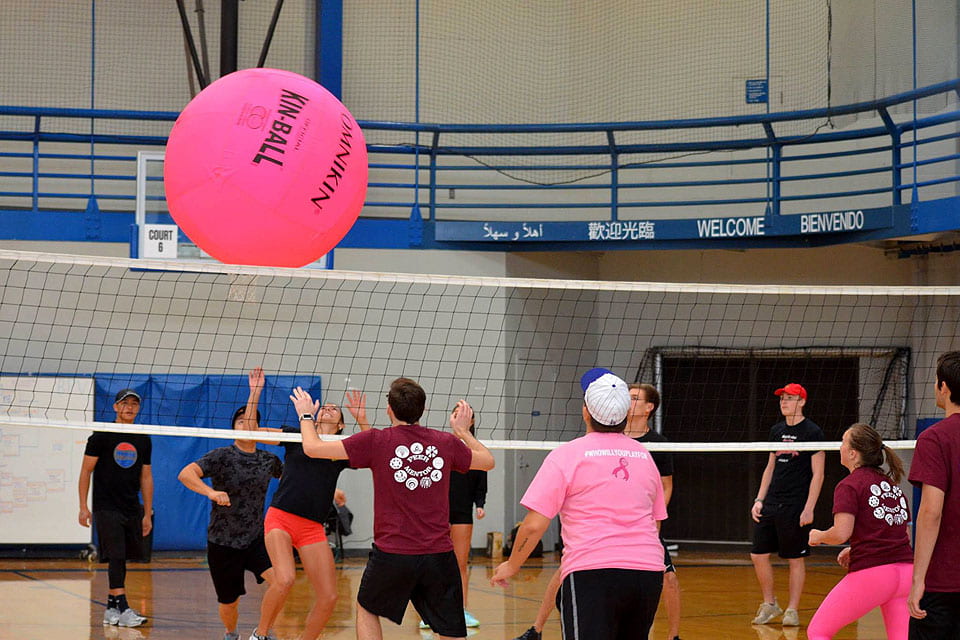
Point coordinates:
pixel 159 241
pixel 39 467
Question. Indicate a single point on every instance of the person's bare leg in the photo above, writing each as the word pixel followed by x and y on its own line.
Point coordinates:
pixel 671 600
pixel 368 625
pixel 318 564
pixel 280 549
pixel 229 614
pixel 764 570
pixel 272 601
pixel 549 602
pixel 462 534
pixel 798 574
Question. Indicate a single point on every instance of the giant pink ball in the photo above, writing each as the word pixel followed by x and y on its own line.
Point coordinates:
pixel 265 167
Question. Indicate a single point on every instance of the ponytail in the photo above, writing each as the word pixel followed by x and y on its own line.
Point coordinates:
pixel 865 440
pixel 894 465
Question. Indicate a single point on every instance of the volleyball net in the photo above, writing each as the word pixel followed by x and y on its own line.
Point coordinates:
pixel 185 335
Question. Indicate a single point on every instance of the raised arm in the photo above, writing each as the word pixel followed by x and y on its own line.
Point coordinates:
pixel 460 421
pixel 313 446
pixel 257 381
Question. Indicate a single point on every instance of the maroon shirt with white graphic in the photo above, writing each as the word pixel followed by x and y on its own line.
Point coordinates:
pixel 881 515
pixel 411 468
pixel 936 461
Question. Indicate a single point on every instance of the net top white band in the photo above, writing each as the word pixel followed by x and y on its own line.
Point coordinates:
pixel 527 283
pixel 272 436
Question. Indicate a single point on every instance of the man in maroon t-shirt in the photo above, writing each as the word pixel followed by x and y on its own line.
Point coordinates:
pixel 412 558
pixel 935 595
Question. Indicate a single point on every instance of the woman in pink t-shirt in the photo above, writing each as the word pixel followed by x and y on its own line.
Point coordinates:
pixel 871 511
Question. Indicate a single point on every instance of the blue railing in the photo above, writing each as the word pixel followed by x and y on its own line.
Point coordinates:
pixel 780 178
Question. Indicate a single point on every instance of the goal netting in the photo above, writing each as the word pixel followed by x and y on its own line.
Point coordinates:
pixel 514 348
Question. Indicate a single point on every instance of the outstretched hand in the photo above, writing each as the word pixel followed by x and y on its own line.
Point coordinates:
pixel 303 403
pixel 461 419
pixel 256 379
pixel 357 405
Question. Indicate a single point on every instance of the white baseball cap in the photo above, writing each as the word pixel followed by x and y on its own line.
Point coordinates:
pixel 607 396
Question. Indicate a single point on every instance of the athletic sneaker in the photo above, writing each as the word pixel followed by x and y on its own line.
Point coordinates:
pixel 767 612
pixel 131 618
pixel 791 618
pixel 469 620
pixel 530 634
pixel 231 635
pixel 111 616
pixel 255 636
pixel 423 625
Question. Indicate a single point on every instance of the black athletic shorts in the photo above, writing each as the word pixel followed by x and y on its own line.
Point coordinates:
pixel 430 581
pixel 943 617
pixel 228 564
pixel 461 517
pixel 779 530
pixel 120 535
pixel 667 560
pixel 608 604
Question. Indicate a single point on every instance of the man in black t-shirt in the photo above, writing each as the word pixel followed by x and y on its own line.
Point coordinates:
pixel 120 466
pixel 240 475
pixel 783 509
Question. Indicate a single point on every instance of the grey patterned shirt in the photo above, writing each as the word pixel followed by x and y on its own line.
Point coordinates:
pixel 245 478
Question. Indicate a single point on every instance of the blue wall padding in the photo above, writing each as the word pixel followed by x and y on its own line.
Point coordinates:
pixel 181 516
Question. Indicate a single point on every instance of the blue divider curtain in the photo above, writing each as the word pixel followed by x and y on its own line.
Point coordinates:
pixel 180 515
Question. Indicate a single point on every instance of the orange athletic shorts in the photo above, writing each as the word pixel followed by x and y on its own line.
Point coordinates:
pixel 303 531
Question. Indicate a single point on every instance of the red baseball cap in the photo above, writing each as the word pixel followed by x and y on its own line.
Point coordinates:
pixel 792 389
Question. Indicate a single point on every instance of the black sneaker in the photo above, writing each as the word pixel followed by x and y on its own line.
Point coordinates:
pixel 530 634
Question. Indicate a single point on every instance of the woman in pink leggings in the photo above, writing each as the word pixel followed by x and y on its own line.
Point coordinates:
pixel 870 510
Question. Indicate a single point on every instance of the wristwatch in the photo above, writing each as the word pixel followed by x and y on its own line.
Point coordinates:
pixel 307 416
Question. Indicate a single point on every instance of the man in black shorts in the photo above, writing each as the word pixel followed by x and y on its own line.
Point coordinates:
pixel 120 466
pixel 644 401
pixel 412 558
pixel 240 475
pixel 783 509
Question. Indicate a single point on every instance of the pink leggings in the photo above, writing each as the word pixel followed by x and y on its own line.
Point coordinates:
pixel 886 586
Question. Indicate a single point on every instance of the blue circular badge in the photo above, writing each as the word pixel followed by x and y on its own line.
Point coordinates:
pixel 125 455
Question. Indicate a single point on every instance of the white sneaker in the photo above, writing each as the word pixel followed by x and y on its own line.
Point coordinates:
pixel 130 618
pixel 767 612
pixel 111 616
pixel 791 618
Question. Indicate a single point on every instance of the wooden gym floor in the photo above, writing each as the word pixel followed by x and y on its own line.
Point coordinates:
pixel 63 600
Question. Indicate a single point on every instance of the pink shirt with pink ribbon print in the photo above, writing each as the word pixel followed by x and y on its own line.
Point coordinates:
pixel 608 492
